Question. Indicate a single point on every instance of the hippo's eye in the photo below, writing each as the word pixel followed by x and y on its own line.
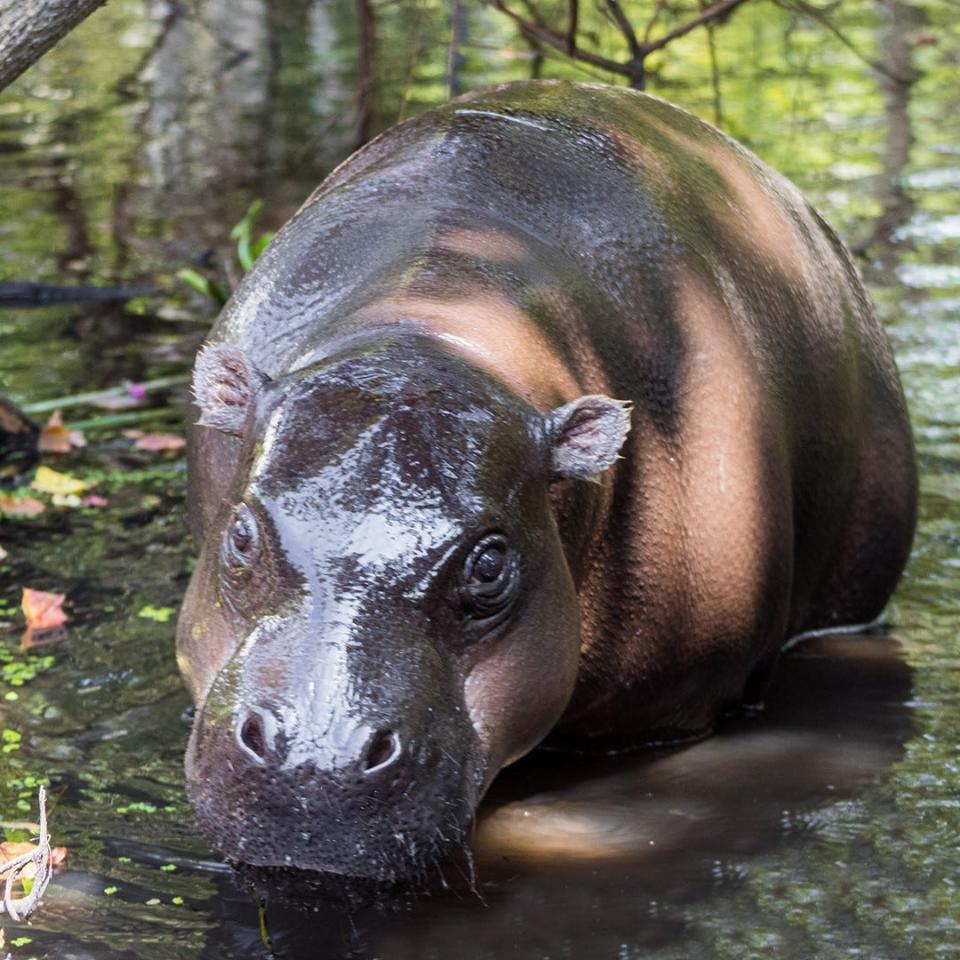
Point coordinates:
pixel 490 574
pixel 489 565
pixel 243 538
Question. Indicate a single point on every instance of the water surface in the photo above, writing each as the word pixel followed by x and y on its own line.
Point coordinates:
pixel 828 826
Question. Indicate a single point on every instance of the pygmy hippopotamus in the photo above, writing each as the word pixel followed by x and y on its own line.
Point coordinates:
pixel 551 416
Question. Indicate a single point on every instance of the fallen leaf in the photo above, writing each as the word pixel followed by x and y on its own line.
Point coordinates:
pixel 132 434
pixel 54 437
pixel 57 437
pixel 93 500
pixel 43 610
pixel 10 850
pixel 3 554
pixel 160 441
pixel 20 506
pixel 50 481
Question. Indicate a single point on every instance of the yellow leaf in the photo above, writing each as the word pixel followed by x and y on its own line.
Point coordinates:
pixel 50 481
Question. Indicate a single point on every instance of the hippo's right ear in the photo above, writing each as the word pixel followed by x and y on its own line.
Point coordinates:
pixel 225 388
pixel 586 435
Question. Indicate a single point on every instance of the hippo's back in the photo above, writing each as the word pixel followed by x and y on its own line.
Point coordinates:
pixel 588 239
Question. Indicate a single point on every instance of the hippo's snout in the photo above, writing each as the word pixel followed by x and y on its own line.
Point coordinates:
pixel 373 797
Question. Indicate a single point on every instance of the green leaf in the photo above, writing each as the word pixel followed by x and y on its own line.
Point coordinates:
pixel 159 614
pixel 261 243
pixel 242 233
pixel 202 285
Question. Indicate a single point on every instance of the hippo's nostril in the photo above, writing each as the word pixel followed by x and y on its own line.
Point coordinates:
pixel 382 750
pixel 253 737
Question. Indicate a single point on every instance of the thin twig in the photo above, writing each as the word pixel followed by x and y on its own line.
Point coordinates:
pixel 19 908
pixel 550 38
pixel 626 28
pixel 125 419
pixel 714 73
pixel 809 10
pixel 366 68
pixel 93 396
pixel 537 29
pixel 458 38
pixel 573 23
pixel 652 22
pixel 715 12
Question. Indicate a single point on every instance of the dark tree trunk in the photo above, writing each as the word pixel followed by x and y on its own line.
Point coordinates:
pixel 29 28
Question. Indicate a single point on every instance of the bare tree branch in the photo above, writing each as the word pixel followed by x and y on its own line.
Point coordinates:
pixel 652 22
pixel 366 66
pixel 815 13
pixel 29 28
pixel 715 12
pixel 459 27
pixel 714 72
pixel 537 29
pixel 573 19
pixel 626 28
pixel 547 36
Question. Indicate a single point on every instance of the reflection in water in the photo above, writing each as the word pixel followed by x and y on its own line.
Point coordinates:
pixel 241 96
pixel 896 78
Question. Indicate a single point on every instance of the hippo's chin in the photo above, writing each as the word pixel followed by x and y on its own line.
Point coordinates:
pixel 377 878
pixel 355 865
pixel 308 889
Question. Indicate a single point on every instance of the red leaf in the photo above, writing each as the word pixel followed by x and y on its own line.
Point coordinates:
pixel 20 506
pixel 160 441
pixel 43 610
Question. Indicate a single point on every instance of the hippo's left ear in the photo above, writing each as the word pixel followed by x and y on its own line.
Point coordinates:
pixel 586 435
pixel 225 388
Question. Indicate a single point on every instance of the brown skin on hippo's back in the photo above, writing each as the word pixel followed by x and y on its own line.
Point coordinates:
pixel 584 239
pixel 427 351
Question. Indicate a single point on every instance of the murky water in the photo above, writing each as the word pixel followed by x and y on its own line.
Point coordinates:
pixel 829 826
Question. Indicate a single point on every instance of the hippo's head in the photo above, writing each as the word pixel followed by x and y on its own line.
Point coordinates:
pixel 382 615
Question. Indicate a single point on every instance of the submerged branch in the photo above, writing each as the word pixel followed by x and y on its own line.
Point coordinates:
pixel 19 908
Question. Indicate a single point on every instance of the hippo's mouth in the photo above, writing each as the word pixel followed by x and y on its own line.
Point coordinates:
pixel 304 888
pixel 388 882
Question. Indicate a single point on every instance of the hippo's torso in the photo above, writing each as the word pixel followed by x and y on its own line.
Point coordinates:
pixel 569 240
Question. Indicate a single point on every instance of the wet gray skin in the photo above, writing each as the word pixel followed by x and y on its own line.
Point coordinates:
pixel 390 532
